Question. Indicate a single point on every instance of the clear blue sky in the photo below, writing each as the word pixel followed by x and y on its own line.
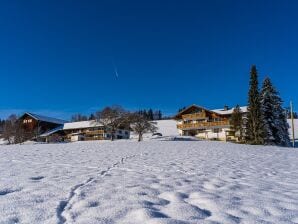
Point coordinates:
pixel 58 57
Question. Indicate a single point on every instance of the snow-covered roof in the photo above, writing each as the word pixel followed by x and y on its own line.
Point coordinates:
pixel 229 111
pixel 81 124
pixel 46 119
pixel 73 125
pixel 52 131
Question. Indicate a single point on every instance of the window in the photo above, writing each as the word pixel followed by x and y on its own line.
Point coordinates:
pixel 26 121
pixel 217 130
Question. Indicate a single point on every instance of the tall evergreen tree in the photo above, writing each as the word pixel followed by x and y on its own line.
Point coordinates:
pixel 254 129
pixel 92 117
pixel 274 116
pixel 150 115
pixel 159 115
pixel 145 114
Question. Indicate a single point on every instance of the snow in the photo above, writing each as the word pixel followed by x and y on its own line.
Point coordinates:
pixel 81 124
pixel 168 128
pixel 155 181
pixel 3 142
pixel 52 131
pixel 73 125
pixel 229 111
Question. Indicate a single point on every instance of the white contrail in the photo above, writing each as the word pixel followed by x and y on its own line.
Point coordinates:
pixel 115 69
pixel 116 72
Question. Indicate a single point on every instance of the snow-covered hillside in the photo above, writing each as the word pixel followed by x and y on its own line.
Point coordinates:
pixel 155 181
pixel 167 128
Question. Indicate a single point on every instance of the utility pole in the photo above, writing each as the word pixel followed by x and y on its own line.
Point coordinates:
pixel 293 128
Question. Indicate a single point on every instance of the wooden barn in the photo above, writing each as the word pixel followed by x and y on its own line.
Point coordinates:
pixel 34 124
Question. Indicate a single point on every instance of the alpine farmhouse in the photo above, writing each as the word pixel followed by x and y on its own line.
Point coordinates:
pixel 207 124
pixel 47 129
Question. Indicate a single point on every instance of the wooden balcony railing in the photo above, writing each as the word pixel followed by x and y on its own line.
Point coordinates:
pixel 203 124
pixel 95 132
pixel 194 116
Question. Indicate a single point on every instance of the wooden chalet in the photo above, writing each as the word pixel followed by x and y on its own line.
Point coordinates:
pixel 206 124
pixel 34 124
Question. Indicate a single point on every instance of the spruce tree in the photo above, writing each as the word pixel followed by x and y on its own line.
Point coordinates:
pixel 254 129
pixel 150 114
pixel 159 115
pixel 274 116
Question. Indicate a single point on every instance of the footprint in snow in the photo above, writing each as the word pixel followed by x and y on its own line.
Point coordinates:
pixel 36 178
pixel 7 191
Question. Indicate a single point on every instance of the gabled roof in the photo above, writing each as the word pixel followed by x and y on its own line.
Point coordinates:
pixel 44 118
pixel 192 106
pixel 82 124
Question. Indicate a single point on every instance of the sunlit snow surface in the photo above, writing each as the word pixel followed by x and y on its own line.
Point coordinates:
pixel 156 181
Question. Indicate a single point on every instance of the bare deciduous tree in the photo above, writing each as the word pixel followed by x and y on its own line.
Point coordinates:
pixel 13 130
pixel 20 135
pixel 112 118
pixel 141 125
pixel 9 129
pixel 8 132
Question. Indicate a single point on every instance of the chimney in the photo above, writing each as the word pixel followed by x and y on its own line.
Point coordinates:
pixel 226 107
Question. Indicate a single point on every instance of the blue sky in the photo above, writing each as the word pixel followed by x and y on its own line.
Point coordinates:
pixel 59 57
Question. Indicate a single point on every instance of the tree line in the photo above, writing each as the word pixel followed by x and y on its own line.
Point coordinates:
pixel 266 119
pixel 150 114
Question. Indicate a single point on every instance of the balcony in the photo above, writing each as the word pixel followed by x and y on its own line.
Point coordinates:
pixel 194 116
pixel 203 125
pixel 95 132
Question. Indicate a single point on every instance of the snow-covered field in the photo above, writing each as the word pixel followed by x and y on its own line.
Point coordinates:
pixel 156 181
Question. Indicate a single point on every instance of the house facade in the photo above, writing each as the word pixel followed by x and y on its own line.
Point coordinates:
pixel 34 124
pixel 206 124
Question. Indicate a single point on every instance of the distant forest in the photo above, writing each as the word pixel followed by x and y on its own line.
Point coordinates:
pixel 149 114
